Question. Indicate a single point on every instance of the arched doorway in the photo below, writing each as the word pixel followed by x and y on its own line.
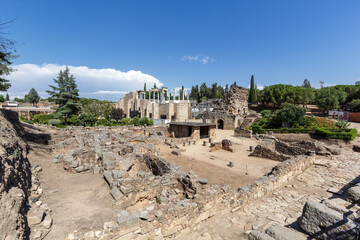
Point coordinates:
pixel 220 124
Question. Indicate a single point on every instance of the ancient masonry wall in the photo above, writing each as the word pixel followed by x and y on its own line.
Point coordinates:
pixel 232 201
pixel 223 200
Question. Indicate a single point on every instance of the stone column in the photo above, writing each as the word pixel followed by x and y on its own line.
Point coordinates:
pixel 188 95
pixel 158 96
pixel 174 96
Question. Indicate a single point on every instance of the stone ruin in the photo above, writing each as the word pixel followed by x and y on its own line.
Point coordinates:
pixel 228 113
pixel 158 199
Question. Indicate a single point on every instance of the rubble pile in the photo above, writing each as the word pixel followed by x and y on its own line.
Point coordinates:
pixel 281 151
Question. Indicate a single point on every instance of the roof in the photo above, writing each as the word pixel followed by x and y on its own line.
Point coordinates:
pixel 195 124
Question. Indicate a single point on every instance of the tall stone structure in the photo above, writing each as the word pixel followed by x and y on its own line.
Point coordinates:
pixel 157 105
pixel 228 113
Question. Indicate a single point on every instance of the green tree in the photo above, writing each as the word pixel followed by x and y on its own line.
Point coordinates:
pixel 330 98
pixel 2 99
pixel 33 97
pixel 252 93
pixel 289 115
pixel 7 97
pixel 214 91
pixel 145 87
pixel 5 62
pixel 97 108
pixel 355 105
pixel 65 94
pixel 203 90
pixel 306 84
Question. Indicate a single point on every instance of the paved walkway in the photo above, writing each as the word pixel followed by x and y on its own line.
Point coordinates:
pixel 285 205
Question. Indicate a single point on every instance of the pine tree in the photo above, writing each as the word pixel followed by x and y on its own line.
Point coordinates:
pixel 306 84
pixel 7 97
pixel 5 70
pixel 65 94
pixel 252 94
pixel 214 91
pixel 33 97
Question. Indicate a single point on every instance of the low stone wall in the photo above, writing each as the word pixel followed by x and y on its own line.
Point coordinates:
pixel 242 133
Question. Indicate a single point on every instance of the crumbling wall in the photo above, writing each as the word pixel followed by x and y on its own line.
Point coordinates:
pixel 15 177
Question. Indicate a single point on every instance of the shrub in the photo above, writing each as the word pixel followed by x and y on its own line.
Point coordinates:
pixel 42 118
pixel 256 129
pixel 345 134
pixel 103 122
pixel 54 121
pixel 143 121
pixel 125 121
pixel 319 122
pixel 341 124
pixel 151 122
pixel 266 113
pixel 135 121
pixel 290 114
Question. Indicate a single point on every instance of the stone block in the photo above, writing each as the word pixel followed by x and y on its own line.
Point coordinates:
pixel 116 193
pixel 322 222
pixel 257 235
pixel 353 194
pixel 279 232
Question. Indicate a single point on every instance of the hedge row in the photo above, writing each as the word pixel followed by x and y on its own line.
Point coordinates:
pixel 260 130
pixel 346 134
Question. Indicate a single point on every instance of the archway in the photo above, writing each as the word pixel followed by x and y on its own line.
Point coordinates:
pixel 220 124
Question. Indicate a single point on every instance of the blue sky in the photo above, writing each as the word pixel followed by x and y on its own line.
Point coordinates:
pixel 182 42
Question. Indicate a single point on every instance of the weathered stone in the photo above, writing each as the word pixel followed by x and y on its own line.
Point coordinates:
pixel 117 174
pixel 108 177
pixel 35 217
pixel 111 226
pixel 257 235
pixel 353 194
pixel 322 222
pixel 279 232
pixel 176 152
pixel 116 193
pixel 157 165
pixel 128 222
pixel 203 180
pixel 188 186
pixel 47 222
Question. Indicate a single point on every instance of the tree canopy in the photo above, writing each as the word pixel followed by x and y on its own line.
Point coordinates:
pixel 33 97
pixel 66 94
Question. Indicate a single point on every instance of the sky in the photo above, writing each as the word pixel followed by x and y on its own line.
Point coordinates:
pixel 113 47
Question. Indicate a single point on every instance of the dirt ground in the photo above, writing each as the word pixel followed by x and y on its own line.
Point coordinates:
pixel 213 165
pixel 78 201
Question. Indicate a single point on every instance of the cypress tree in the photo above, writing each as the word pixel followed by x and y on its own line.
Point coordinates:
pixel 252 94
pixel 7 97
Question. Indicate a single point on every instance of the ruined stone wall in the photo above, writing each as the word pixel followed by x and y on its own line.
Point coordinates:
pixel 238 132
pixel 183 111
pixel 15 177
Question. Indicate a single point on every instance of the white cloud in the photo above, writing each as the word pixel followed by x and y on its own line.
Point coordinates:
pixel 106 83
pixel 198 58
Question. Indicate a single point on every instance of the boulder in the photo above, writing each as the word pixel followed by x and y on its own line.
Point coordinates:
pixel 279 232
pixel 324 223
pixel 353 194
pixel 257 235
pixel 188 186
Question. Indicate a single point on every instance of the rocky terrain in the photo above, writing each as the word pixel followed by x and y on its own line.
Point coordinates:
pixel 114 183
pixel 15 178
